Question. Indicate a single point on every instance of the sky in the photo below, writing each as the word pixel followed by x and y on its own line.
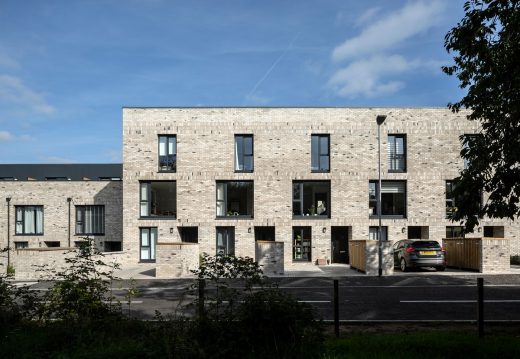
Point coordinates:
pixel 67 67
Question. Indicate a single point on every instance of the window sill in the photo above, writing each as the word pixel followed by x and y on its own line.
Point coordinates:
pixel 159 217
pixel 147 261
pixel 27 234
pixel 397 171
pixel 234 217
pixel 311 217
pixel 320 171
pixel 244 171
pixel 89 234
pixel 387 216
pixel 167 171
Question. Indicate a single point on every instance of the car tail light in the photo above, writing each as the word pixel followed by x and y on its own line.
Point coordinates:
pixel 443 249
pixel 410 250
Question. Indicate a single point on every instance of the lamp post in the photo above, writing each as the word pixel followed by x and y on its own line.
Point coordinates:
pixel 379 119
pixel 69 199
pixel 8 200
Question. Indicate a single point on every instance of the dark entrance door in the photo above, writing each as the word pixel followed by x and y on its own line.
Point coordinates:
pixel 339 237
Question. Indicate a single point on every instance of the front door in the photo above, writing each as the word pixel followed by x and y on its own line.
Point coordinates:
pixel 339 236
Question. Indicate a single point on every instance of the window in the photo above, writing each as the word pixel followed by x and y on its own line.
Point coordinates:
pixel 235 198
pixel 264 233
pixel 452 201
pixel 167 153
pixel 112 246
pixel 147 243
pixel 244 153
pixel 90 220
pixel 21 245
pixel 302 244
pixel 158 199
pixel 52 244
pixel 393 198
pixel 226 241
pixel 29 220
pixel 189 234
pixel 418 232
pixel 454 232
pixel 494 231
pixel 396 153
pixel 320 159
pixel 374 230
pixel 311 198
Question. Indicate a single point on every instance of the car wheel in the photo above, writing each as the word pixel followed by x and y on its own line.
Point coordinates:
pixel 404 268
pixel 440 269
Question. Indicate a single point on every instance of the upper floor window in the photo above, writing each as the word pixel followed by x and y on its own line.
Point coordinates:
pixel 311 198
pixel 450 199
pixel 244 153
pixel 158 199
pixel 320 149
pixel 90 220
pixel 473 200
pixel 235 198
pixel 393 198
pixel 29 219
pixel 167 153
pixel 397 153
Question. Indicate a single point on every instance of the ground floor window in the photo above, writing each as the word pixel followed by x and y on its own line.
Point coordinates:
pixel 52 243
pixel 226 241
pixel 454 232
pixel 189 234
pixel 112 246
pixel 264 233
pixel 148 242
pixel 302 241
pixel 21 245
pixel 418 232
pixel 374 230
pixel 494 231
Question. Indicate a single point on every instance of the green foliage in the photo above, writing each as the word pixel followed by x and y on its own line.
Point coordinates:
pixel 486 44
pixel 10 270
pixel 82 291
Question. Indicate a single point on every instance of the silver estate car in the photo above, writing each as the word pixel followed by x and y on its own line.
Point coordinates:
pixel 410 253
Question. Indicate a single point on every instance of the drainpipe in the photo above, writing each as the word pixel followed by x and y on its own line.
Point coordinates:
pixel 69 199
pixel 8 200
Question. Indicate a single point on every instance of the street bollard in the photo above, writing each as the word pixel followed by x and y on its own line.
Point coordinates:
pixel 336 308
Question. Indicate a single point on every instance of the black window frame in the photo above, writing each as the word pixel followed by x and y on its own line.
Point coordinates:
pixel 244 154
pixel 21 244
pixel 169 160
pixel 299 243
pixel 306 213
pixel 393 157
pixel 224 201
pixel 228 234
pixel 320 155
pixel 373 202
pixel 22 221
pixel 151 246
pixel 453 230
pixel 384 233
pixel 82 223
pixel 149 200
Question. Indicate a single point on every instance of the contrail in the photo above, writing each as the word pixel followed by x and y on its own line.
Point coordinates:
pixel 272 67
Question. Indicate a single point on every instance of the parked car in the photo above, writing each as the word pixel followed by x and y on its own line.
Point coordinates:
pixel 410 253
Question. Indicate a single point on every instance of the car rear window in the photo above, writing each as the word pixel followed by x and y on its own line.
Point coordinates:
pixel 426 244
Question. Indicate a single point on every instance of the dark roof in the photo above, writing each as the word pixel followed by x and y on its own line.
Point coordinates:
pixel 56 172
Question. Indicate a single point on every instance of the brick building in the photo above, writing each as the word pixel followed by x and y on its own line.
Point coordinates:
pixel 281 185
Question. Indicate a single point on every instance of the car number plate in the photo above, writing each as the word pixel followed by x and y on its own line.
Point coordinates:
pixel 428 253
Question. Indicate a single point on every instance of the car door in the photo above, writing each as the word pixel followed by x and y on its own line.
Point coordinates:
pixel 397 248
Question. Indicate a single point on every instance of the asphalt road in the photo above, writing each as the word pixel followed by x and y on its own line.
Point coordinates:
pixel 363 299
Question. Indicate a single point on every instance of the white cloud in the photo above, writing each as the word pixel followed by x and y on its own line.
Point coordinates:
pixel 368 77
pixel 367 16
pixel 56 159
pixel 5 136
pixel 392 29
pixel 14 91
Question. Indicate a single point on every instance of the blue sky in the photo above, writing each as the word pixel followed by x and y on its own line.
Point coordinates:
pixel 68 67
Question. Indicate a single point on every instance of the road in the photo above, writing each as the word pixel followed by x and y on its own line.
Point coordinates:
pixel 363 299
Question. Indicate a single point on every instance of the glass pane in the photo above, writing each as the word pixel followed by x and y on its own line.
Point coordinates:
pixel 296 191
pixel 324 163
pixel 248 163
pixel 153 242
pixel 145 240
pixel 239 153
pixel 324 145
pixel 220 191
pixel 145 253
pixel 162 145
pixel 172 146
pixel 399 145
pixel 221 208
pixel 248 145
pixel 29 223
pixel 144 191
pixel 144 209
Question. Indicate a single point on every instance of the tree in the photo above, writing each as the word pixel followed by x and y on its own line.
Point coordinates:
pixel 486 47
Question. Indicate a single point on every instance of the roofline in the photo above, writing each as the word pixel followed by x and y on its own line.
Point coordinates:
pixel 289 107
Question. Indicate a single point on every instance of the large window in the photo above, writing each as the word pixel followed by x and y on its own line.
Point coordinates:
pixel 302 244
pixel 226 241
pixel 396 153
pixel 90 220
pixel 453 201
pixel 393 198
pixel 167 153
pixel 29 220
pixel 450 199
pixel 320 149
pixel 244 153
pixel 235 198
pixel 147 243
pixel 158 199
pixel 311 198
